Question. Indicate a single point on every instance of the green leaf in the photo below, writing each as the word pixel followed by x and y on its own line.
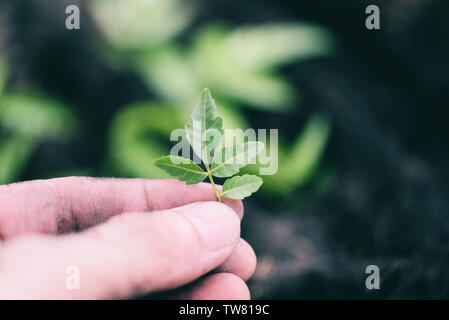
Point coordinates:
pixel 240 187
pixel 228 162
pixel 181 168
pixel 206 130
pixel 225 162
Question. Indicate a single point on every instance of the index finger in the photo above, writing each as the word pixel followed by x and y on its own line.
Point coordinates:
pixel 73 203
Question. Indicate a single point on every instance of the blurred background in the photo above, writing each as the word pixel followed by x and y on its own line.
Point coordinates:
pixel 362 118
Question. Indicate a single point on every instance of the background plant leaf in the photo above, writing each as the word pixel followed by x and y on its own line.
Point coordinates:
pixel 148 22
pixel 50 117
pixel 26 120
pixel 138 135
pixel 14 153
pixel 2 76
pixel 307 151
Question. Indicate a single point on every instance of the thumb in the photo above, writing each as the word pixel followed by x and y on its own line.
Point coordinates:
pixel 130 254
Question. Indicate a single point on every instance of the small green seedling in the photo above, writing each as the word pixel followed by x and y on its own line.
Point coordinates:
pixel 205 136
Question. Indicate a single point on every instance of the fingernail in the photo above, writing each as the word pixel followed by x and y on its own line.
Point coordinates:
pixel 217 224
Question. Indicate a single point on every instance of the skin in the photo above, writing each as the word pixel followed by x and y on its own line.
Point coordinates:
pixel 127 237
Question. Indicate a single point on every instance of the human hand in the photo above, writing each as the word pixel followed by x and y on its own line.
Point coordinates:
pixel 122 250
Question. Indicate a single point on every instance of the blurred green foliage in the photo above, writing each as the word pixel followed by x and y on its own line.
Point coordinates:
pixel 139 134
pixel 239 64
pixel 2 76
pixel 26 120
pixel 137 24
pixel 35 116
pixel 299 162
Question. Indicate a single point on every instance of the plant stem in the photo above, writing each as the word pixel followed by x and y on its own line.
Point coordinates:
pixel 213 183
